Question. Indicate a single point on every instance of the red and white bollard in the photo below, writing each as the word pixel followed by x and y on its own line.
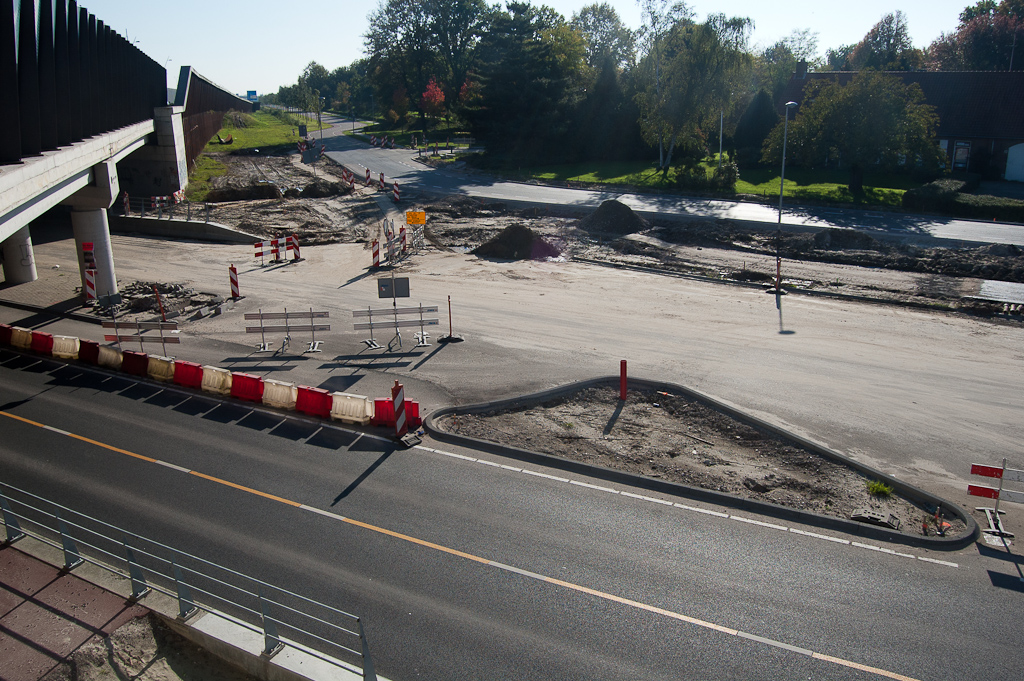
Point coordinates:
pixel 401 233
pixel 90 286
pixel 233 275
pixel 275 250
pixel 398 400
pixel 382 181
pixel 367 177
pixel 376 253
pixel 373 140
pixel 293 242
pixel 396 192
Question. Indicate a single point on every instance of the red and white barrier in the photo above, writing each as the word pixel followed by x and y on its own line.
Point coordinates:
pixel 401 232
pixel 373 140
pixel 376 253
pixel 392 142
pixel 293 244
pixel 273 248
pixel 233 275
pixel 1003 474
pixel 167 201
pixel 367 177
pixel 90 285
pixel 398 399
pixel 382 181
pixel 396 191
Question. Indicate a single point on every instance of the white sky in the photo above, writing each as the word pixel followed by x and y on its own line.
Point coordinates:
pixel 263 44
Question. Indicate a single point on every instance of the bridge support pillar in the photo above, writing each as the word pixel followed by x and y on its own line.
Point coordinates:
pixel 90 225
pixel 19 261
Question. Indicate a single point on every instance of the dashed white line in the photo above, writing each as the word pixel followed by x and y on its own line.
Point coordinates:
pixel 56 430
pixel 819 536
pixel 938 562
pixel 597 487
pixel 171 465
pixel 759 522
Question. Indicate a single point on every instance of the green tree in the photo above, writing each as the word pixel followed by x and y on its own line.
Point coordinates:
pixel 529 60
pixel 754 126
pixel 606 36
pixel 774 65
pixel 838 59
pixel 875 120
pixel 887 46
pixel 700 67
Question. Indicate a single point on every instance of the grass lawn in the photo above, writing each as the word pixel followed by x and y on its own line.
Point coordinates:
pixel 199 180
pixel 817 185
pixel 258 131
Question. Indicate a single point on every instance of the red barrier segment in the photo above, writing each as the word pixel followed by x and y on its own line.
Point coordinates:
pixel 135 363
pixel 188 374
pixel 42 343
pixel 247 387
pixel 6 330
pixel 313 401
pixel 383 413
pixel 88 351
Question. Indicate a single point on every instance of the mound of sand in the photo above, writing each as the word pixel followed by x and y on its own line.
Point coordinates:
pixel 840 239
pixel 612 217
pixel 322 189
pixel 251 193
pixel 516 242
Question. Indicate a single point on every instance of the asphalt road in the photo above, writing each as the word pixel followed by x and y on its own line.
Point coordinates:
pixel 400 164
pixel 465 568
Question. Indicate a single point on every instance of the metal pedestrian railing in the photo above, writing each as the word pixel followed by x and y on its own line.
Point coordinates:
pixel 282 617
pixel 166 207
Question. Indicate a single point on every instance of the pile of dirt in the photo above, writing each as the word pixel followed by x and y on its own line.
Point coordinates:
pixel 670 437
pixel 613 217
pixel 139 301
pixel 322 189
pixel 147 650
pixel 251 193
pixel 464 207
pixel 517 242
pixel 838 239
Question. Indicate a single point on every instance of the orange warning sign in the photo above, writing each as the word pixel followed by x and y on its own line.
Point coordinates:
pixel 415 217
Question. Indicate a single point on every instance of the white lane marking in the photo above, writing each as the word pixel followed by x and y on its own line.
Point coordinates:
pixel 171 465
pixel 322 512
pixel 56 430
pixel 759 522
pixel 597 487
pixel 773 642
pixel 695 509
pixel 705 511
pixel 819 536
pixel 518 571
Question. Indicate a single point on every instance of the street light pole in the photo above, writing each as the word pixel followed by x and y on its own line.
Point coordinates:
pixel 782 186
pixel 782 177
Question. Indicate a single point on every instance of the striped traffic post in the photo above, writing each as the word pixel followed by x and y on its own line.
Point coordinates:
pixel 376 253
pixel 398 400
pixel 233 275
pixel 90 285
pixel 382 181
pixel 294 242
pixel 367 177
pixel 401 232
pixel 396 191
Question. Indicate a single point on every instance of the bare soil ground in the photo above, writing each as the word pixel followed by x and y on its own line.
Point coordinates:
pixel 673 438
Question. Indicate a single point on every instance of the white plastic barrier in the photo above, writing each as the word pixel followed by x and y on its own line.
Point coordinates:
pixel 160 368
pixel 279 394
pixel 352 408
pixel 65 347
pixel 21 338
pixel 109 357
pixel 216 380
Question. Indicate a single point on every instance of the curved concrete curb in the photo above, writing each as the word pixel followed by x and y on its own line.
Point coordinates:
pixel 905 490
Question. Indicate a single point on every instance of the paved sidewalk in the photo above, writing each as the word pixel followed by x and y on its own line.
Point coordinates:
pixel 47 614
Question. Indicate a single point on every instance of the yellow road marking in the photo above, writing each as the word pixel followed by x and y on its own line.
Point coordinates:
pixel 468 556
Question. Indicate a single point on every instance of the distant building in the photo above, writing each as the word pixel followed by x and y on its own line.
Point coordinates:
pixel 981 114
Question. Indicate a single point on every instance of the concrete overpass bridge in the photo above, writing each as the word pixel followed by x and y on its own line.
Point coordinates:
pixel 84 117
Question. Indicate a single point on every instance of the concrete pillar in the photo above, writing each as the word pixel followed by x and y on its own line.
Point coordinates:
pixel 91 225
pixel 19 262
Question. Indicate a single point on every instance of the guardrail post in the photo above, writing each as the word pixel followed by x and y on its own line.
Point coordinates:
pixel 271 641
pixel 139 586
pixel 207 213
pixel 72 558
pixel 188 211
pixel 14 532
pixel 185 604
pixel 368 672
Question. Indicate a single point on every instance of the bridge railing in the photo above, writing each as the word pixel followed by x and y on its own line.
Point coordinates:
pixel 284 618
pixel 164 207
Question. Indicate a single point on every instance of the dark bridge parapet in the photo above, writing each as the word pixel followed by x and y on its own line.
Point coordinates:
pixel 205 105
pixel 65 77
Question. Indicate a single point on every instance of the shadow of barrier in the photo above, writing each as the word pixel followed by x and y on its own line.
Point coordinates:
pixel 907 491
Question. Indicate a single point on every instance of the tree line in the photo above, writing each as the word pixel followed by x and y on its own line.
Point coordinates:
pixel 534 86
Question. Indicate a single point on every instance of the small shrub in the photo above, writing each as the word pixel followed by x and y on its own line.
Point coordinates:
pixel 877 488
